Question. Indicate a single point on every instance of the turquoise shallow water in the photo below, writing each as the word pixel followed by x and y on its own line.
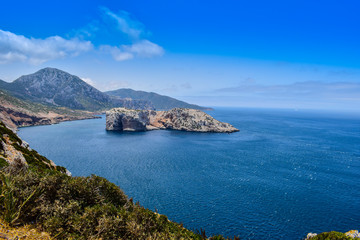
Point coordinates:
pixel 283 175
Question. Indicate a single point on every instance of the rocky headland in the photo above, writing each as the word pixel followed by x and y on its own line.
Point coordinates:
pixel 182 119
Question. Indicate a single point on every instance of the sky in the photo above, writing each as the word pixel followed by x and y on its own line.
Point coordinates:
pixel 268 54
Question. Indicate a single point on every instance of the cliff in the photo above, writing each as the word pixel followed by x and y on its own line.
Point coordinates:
pixel 16 152
pixel 182 119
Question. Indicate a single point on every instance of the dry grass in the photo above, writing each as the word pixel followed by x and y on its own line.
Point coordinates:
pixel 24 232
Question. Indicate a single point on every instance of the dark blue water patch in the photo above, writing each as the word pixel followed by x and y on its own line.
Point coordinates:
pixel 283 175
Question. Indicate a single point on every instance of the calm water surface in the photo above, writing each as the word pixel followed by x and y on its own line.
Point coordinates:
pixel 283 175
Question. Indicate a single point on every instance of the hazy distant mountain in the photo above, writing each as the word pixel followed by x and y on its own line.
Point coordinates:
pixel 55 87
pixel 160 102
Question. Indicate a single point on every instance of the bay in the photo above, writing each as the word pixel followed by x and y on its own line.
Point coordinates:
pixel 286 173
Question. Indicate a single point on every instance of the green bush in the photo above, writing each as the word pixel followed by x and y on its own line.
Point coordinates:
pixel 12 136
pixel 3 163
pixel 331 236
pixel 85 208
pixel 11 203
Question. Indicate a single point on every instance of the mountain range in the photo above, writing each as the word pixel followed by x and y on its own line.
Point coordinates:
pixel 51 86
pixel 160 102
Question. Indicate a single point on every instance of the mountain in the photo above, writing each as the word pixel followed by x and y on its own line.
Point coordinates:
pixel 52 86
pixel 15 112
pixel 160 102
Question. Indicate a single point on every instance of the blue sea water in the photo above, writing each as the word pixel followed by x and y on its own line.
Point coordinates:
pixel 286 173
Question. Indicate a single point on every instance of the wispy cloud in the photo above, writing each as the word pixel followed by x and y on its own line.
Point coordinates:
pixel 135 31
pixel 143 48
pixel 304 89
pixel 125 23
pixel 114 85
pixel 89 81
pixel 35 51
pixel 310 94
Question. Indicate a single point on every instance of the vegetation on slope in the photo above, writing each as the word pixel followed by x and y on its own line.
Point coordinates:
pixel 6 98
pixel 27 232
pixel 82 208
pixel 35 161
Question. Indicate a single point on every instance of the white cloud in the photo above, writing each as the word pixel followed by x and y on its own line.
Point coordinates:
pixel 143 49
pixel 132 28
pixel 18 48
pixel 112 85
pixel 36 51
pixel 88 81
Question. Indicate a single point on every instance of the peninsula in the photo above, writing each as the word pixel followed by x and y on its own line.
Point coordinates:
pixel 182 119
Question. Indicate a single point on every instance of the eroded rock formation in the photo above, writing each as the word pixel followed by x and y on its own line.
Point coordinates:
pixel 182 119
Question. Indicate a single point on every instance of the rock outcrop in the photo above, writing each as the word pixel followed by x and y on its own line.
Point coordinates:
pixel 182 119
pixel 16 152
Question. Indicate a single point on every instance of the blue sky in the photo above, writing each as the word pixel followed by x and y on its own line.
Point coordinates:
pixel 287 54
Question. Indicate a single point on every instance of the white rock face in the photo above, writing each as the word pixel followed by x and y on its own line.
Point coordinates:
pixel 122 119
pixel 310 236
pixel 12 155
pixel 182 119
pixel 353 234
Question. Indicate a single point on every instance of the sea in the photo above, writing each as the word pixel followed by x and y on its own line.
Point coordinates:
pixel 285 174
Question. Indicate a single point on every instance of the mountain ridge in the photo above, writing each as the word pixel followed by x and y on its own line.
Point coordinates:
pixel 56 87
pixel 160 102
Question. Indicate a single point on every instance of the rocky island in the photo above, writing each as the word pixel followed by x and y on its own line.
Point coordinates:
pixel 182 119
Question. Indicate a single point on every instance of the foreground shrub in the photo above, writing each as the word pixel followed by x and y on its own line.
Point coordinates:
pixel 11 205
pixel 331 236
pixel 82 208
